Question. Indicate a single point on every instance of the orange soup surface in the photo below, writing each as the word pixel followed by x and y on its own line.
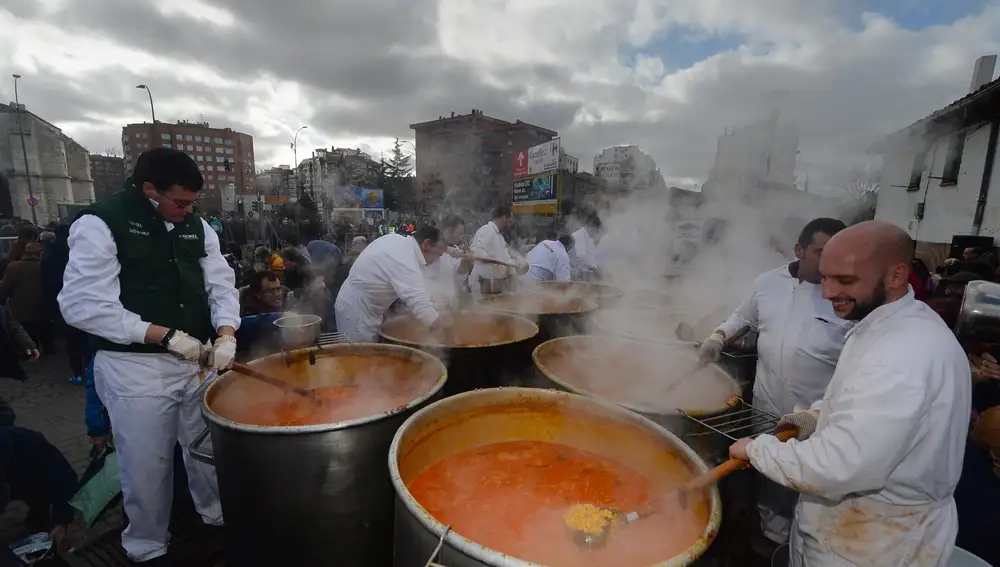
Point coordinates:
pixel 349 387
pixel 511 497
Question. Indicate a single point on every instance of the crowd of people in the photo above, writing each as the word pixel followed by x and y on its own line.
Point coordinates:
pixel 855 351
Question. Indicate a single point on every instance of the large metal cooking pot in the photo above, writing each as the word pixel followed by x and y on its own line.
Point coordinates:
pixel 307 495
pixel 555 316
pixel 489 286
pixel 484 417
pixel 979 317
pixel 653 380
pixel 486 350
pixel 605 295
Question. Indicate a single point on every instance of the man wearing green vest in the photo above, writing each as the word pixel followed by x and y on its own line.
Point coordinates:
pixel 147 279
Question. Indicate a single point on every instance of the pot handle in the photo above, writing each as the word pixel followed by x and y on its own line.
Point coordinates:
pixel 195 448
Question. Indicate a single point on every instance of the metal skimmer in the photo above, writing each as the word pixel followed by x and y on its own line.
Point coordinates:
pixel 327 339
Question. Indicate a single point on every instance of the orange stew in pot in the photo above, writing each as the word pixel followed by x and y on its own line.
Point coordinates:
pixel 511 497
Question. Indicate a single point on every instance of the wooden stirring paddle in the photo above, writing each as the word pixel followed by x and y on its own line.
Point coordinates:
pixel 285 386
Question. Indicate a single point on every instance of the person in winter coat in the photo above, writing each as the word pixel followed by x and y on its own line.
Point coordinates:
pixel 33 471
pixel 53 266
pixel 799 342
pixel 21 289
pixel 876 461
pixel 15 345
pixel 26 234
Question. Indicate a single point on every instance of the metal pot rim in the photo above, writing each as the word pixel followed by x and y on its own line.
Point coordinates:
pixel 480 552
pixel 589 307
pixel 630 406
pixel 217 419
pixel 306 321
pixel 615 291
pixel 413 344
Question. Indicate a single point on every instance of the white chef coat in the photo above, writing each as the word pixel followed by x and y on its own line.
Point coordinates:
pixel 489 243
pixel 548 261
pixel 799 343
pixel 441 279
pixel 877 476
pixel 388 269
pixel 150 398
pixel 584 251
pixel 799 339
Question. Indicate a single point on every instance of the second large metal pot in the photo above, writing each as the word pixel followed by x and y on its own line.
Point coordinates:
pixel 555 316
pixel 484 417
pixel 653 380
pixel 314 495
pixel 481 350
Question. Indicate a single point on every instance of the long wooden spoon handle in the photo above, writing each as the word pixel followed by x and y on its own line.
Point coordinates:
pixel 258 375
pixel 491 261
pixel 732 465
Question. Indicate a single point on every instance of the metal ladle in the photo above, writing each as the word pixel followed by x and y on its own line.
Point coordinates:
pixel 619 519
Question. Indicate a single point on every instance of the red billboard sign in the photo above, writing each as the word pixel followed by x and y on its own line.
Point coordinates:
pixel 521 163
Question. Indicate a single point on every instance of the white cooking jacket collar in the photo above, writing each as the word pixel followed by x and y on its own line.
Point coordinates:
pixel 882 313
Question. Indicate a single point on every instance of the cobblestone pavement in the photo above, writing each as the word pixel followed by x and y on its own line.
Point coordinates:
pixel 48 403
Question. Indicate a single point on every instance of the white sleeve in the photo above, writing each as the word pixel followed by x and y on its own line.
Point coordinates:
pixel 744 316
pixel 90 297
pixel 220 283
pixel 408 283
pixel 562 271
pixel 871 429
pixel 479 244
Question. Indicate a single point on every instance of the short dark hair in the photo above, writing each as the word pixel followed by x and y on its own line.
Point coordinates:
pixel 593 221
pixel 257 279
pixel 551 234
pixel 452 221
pixel 567 241
pixel 427 232
pixel 27 232
pixel 502 211
pixel 166 167
pixel 821 225
pixel 293 255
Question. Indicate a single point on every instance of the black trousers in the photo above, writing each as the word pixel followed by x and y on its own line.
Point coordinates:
pixel 78 350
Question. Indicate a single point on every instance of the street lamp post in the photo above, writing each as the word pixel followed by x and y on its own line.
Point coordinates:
pixel 24 150
pixel 152 111
pixel 295 158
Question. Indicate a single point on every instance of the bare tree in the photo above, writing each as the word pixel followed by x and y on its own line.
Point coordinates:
pixel 861 191
pixel 111 152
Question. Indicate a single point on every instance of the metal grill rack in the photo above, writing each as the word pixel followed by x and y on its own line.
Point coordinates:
pixel 719 431
pixel 337 338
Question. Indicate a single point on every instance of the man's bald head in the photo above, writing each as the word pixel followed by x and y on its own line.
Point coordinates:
pixel 866 266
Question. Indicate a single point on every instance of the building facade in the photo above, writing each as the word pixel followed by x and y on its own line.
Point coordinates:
pixel 627 169
pixel 224 156
pixel 466 162
pixel 108 173
pixel 939 175
pixel 757 155
pixel 326 170
pixel 58 168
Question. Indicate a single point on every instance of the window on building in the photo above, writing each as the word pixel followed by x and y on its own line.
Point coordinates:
pixel 143 135
pixel 136 135
pixel 199 158
pixel 220 150
pixel 219 140
pixel 197 138
pixel 165 136
pixel 180 146
pixel 188 138
pixel 917 170
pixel 220 168
pixel 197 148
pixel 953 160
pixel 229 142
pixel 219 159
pixel 201 167
pixel 229 151
pixel 211 185
pixel 190 148
pixel 179 136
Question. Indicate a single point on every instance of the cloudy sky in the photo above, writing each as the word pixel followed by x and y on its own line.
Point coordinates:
pixel 669 75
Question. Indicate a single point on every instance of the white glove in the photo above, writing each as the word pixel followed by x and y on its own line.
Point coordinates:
pixel 711 348
pixel 805 421
pixel 222 354
pixel 184 346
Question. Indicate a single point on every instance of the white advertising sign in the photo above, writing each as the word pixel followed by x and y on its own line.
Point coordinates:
pixel 544 158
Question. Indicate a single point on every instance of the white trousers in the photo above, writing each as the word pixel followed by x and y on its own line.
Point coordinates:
pixel 150 400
